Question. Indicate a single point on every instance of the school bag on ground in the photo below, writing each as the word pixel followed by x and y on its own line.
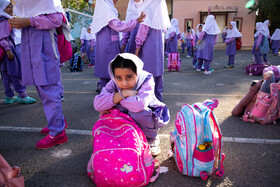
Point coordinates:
pixel 243 103
pixel 196 142
pixel 264 48
pixel 264 108
pixel 121 154
pixel 255 69
pixel 174 61
pixel 10 176
pixel 76 63
pixel 238 43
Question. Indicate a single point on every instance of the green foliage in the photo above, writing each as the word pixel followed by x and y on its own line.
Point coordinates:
pixel 80 6
pixel 267 9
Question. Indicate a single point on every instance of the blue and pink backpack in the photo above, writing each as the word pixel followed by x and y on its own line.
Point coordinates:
pixel 121 154
pixel 174 61
pixel 192 129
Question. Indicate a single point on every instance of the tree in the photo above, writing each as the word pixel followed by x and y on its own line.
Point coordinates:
pixel 266 9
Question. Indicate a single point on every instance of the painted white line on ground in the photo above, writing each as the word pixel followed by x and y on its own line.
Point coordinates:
pixel 88 133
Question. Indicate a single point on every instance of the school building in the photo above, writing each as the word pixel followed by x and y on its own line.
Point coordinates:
pixel 192 12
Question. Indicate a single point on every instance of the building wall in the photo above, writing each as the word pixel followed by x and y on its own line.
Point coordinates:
pixel 121 6
pixel 183 9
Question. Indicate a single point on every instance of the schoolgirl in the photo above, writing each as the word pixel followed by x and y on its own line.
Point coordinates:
pixel 195 40
pixel 259 37
pixel 275 41
pixel 224 34
pixel 131 90
pixel 91 48
pixel 232 35
pixel 205 45
pixel 189 39
pixel 11 64
pixel 173 35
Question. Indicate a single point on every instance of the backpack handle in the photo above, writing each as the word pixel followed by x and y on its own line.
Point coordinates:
pixel 153 178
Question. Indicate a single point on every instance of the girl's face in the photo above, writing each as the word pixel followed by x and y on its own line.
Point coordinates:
pixel 200 28
pixel 229 26
pixel 115 1
pixel 125 78
pixel 88 30
pixel 9 9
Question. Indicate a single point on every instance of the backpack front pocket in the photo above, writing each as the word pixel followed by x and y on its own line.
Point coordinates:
pixel 203 161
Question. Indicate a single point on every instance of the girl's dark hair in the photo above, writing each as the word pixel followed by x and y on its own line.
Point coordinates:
pixel 121 62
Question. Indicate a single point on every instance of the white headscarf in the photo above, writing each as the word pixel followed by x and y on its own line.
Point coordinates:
pixel 234 32
pixel 197 32
pixel 84 34
pixel 211 26
pixel 156 14
pixel 141 74
pixel 32 8
pixel 276 35
pixel 174 27
pixel 3 6
pixel 134 9
pixel 104 12
pixel 259 28
pixel 265 26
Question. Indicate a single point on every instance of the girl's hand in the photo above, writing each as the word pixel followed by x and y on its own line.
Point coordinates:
pixel 10 55
pixel 267 75
pixel 137 51
pixel 122 48
pixel 256 48
pixel 199 41
pixel 91 49
pixel 20 23
pixel 129 93
pixel 141 17
pixel 194 49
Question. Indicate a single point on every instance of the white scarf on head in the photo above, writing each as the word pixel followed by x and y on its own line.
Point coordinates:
pixel 276 35
pixel 197 32
pixel 141 74
pixel 134 9
pixel 3 6
pixel 104 12
pixel 32 8
pixel 174 27
pixel 234 32
pixel 211 26
pixel 156 14
pixel 265 26
pixel 84 35
pixel 259 28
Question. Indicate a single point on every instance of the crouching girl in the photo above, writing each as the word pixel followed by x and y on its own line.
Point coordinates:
pixel 131 89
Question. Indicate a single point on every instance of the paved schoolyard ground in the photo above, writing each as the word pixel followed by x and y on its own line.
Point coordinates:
pixel 252 150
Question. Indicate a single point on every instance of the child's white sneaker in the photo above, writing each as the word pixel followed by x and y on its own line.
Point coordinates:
pixel 207 72
pixel 154 146
pixel 198 69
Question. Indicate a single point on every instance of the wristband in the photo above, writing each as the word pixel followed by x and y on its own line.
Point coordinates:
pixel 120 92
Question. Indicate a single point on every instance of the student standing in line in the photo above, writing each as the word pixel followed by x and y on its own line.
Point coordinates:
pixel 172 35
pixel 195 39
pixel 205 46
pixel 40 64
pixel 275 41
pixel 232 35
pixel 259 37
pixel 107 26
pixel 266 25
pixel 149 41
pixel 11 63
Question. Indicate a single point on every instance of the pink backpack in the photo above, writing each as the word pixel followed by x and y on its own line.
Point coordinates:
pixel 121 154
pixel 174 61
pixel 266 108
pixel 63 41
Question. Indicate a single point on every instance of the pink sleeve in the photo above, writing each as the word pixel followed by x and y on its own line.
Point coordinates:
pixel 259 39
pixel 125 38
pixel 142 99
pixel 4 34
pixel 141 35
pixel 229 40
pixel 120 26
pixel 104 101
pixel 47 22
pixel 201 35
pixel 171 35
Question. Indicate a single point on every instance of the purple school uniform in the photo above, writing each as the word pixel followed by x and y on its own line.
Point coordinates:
pixel 145 109
pixel 108 46
pixel 189 45
pixel 152 54
pixel 172 43
pixel 275 45
pixel 194 45
pixel 129 40
pixel 84 46
pixel 257 54
pixel 91 54
pixel 224 36
pixel 11 69
pixel 41 68
pixel 231 49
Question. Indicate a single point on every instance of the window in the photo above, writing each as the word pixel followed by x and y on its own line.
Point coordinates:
pixel 238 23
pixel 188 24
